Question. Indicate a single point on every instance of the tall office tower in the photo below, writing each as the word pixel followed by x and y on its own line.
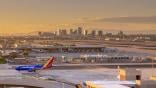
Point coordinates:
pixel 79 30
pixel 85 32
pixel 55 32
pixel 59 32
pixel 40 33
pixel 93 33
pixel 100 33
pixel 75 32
pixel 71 31
pixel 64 32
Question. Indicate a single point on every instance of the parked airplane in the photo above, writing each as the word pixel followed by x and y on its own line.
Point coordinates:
pixel 33 68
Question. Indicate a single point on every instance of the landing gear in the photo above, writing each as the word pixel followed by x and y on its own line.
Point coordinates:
pixel 32 70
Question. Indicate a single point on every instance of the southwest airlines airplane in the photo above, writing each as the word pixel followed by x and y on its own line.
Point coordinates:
pixel 33 68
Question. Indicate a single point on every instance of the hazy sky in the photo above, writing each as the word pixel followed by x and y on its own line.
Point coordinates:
pixel 23 16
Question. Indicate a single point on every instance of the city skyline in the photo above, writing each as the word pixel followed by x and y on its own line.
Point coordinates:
pixel 25 16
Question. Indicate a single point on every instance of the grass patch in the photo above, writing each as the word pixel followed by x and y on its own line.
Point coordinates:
pixel 2 60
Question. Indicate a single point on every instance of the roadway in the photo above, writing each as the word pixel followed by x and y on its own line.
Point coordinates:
pixel 105 65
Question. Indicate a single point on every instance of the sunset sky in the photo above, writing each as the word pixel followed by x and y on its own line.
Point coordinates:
pixel 25 16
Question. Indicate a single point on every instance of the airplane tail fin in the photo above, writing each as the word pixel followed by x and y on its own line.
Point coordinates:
pixel 49 63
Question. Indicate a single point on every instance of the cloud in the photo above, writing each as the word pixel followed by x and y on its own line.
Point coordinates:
pixel 148 20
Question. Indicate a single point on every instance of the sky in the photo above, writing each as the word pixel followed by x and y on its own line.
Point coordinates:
pixel 26 16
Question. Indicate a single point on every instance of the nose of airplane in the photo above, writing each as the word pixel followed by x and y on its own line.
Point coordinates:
pixel 17 68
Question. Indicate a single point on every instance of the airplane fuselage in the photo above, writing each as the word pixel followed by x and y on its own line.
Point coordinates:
pixel 33 68
pixel 29 68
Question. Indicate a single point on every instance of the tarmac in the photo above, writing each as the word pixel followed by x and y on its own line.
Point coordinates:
pixel 63 78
